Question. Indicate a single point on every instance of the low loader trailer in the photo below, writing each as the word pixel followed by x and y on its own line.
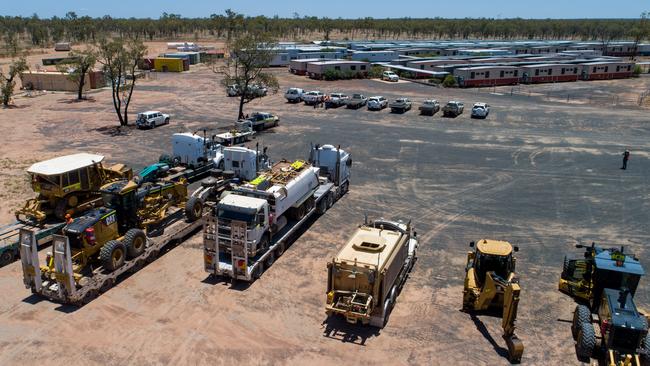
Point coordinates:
pixel 252 225
pixel 97 247
pixel 367 275
pixel 63 286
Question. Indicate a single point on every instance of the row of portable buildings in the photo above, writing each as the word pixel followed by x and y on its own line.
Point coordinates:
pixel 477 76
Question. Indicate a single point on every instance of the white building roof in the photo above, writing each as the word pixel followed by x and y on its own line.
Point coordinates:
pixel 244 202
pixel 64 164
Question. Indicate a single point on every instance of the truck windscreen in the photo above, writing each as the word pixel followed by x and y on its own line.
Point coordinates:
pixel 235 215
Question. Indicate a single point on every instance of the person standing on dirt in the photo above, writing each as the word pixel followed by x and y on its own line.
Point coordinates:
pixel 626 157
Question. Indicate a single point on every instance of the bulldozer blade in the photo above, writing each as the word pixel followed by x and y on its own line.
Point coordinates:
pixel 515 348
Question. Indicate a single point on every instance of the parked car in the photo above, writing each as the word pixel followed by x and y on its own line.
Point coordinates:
pixel 357 101
pixel 335 100
pixel 429 107
pixel 294 95
pixel 377 103
pixel 151 119
pixel 255 90
pixel 453 109
pixel 480 110
pixel 263 120
pixel 389 76
pixel 313 97
pixel 400 105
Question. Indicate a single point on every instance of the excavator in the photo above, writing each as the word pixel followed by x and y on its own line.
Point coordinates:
pixel 492 284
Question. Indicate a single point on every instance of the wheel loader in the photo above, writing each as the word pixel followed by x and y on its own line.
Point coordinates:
pixel 68 184
pixel 492 284
pixel 606 322
pixel 110 235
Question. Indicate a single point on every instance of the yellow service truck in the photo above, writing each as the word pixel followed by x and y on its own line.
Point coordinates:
pixel 366 276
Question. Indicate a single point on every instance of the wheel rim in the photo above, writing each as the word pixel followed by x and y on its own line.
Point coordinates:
pixel 5 257
pixel 138 244
pixel 117 257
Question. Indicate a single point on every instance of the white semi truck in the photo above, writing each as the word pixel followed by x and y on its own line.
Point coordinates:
pixel 251 226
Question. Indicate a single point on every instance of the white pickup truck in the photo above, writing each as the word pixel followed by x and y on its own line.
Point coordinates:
pixel 294 95
pixel 313 97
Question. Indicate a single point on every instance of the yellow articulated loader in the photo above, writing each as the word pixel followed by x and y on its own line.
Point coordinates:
pixel 492 284
pixel 68 184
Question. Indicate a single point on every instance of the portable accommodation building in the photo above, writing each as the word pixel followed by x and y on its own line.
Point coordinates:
pixel 374 56
pixel 62 46
pixel 299 67
pixel 549 73
pixel 600 70
pixel 347 69
pixel 487 76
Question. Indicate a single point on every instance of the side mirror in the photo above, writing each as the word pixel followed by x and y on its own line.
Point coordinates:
pixel 471 244
pixel 516 248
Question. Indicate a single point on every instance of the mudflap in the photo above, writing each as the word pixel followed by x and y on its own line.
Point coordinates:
pixel 63 267
pixel 29 259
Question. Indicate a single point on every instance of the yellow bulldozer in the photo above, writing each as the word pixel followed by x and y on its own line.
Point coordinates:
pixel 68 184
pixel 492 284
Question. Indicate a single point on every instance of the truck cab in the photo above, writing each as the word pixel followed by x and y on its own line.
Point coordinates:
pixel 254 212
pixel 194 150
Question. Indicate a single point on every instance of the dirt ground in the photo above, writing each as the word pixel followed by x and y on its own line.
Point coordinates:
pixel 543 174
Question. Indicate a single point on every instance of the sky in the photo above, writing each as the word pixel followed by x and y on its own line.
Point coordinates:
pixel 334 8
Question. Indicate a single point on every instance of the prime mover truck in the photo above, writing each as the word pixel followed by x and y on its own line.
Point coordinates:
pixel 251 226
pixel 365 277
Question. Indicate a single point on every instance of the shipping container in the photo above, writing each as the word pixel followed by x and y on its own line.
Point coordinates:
pixel 162 64
pixel 55 81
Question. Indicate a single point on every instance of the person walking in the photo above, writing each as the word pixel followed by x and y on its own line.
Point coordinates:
pixel 626 157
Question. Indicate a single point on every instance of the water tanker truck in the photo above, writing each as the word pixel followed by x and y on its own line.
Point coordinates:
pixel 251 226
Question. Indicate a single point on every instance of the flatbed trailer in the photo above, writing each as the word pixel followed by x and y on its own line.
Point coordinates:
pixel 64 289
pixel 10 238
pixel 220 262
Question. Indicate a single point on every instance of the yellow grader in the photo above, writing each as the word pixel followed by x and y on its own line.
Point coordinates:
pixel 492 284
pixel 68 184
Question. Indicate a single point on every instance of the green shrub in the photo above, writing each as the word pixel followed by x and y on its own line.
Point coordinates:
pixel 449 82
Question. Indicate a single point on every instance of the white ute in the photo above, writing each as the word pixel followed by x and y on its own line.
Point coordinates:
pixel 377 103
pixel 313 97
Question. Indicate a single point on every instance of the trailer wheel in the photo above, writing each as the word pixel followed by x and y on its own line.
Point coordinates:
pixel 113 255
pixel 580 315
pixel 135 241
pixel 330 200
pixel 280 250
pixel 6 257
pixel 193 209
pixel 586 341
pixel 106 285
pixel 269 260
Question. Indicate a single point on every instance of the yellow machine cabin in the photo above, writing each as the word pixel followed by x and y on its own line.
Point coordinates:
pixel 366 276
pixel 68 184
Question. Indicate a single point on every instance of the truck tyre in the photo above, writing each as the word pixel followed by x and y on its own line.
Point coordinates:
pixel 268 262
pixel 135 242
pixel 645 347
pixel 193 209
pixel 6 257
pixel 322 206
pixel 580 315
pixel 586 341
pixel 113 255
pixel 330 199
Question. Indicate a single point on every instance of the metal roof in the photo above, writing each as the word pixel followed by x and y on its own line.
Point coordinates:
pixel 64 164
pixel 494 247
pixel 245 202
pixel 370 246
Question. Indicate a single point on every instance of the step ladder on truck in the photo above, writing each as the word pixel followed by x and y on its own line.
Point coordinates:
pixel 252 225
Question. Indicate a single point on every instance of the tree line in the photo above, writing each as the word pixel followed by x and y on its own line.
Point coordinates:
pixel 44 31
